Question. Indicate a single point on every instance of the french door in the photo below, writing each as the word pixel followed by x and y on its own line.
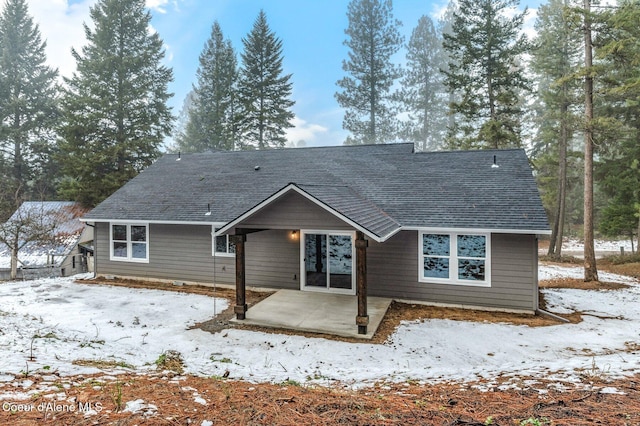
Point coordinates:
pixel 327 261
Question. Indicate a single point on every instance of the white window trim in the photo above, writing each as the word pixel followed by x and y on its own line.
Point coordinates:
pixel 129 257
pixel 213 244
pixel 303 281
pixel 453 260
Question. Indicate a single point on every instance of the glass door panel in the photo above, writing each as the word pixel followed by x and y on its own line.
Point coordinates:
pixel 315 262
pixel 328 262
pixel 340 262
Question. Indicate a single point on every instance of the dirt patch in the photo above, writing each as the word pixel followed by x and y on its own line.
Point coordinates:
pixel 581 284
pixel 180 400
pixel 628 269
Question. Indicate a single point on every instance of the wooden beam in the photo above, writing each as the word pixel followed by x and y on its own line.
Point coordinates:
pixel 240 308
pixel 362 320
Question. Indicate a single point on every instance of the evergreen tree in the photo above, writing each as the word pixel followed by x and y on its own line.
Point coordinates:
pixel 486 48
pixel 445 25
pixel 618 168
pixel 423 93
pixel 116 113
pixel 182 119
pixel 263 91
pixel 28 108
pixel 556 60
pixel 373 38
pixel 590 267
pixel 211 120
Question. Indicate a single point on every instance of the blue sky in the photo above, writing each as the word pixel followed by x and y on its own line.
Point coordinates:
pixel 312 33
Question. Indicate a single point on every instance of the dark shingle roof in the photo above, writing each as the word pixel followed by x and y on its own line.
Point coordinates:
pixel 380 185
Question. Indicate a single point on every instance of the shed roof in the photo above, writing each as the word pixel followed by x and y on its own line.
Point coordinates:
pixel 387 184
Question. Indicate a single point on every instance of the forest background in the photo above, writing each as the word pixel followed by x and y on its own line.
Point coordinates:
pixel 567 92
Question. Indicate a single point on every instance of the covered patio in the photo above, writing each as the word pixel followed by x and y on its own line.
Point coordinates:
pixel 315 312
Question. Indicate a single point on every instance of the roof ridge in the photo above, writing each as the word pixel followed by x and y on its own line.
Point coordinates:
pixel 289 149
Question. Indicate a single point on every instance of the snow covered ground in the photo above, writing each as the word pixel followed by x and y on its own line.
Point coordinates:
pixel 50 324
pixel 575 247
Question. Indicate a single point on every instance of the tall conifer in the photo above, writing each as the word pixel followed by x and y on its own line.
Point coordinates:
pixel 263 90
pixel 115 108
pixel 486 70
pixel 423 93
pixel 28 107
pixel 211 118
pixel 556 59
pixel 372 38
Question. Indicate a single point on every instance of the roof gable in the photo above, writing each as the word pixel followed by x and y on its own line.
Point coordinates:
pixel 340 201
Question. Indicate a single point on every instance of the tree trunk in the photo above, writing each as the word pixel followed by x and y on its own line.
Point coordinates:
pixel 557 233
pixel 590 269
pixel 638 236
pixel 14 263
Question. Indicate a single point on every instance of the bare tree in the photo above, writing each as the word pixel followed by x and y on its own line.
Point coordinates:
pixel 32 223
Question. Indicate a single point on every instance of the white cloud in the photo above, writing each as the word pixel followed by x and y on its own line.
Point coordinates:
pixel 157 5
pixel 61 26
pixel 528 26
pixel 160 5
pixel 303 131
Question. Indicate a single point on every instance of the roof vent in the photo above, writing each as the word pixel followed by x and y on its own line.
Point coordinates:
pixel 256 168
pixel 208 213
pixel 495 164
pixel 179 156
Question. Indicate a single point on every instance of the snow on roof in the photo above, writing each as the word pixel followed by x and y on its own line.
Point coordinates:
pixel 67 232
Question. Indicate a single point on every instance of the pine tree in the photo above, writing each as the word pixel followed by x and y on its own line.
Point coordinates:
pixel 590 267
pixel 423 93
pixel 445 26
pixel 263 91
pixel 28 107
pixel 180 125
pixel 116 113
pixel 618 168
pixel 211 120
pixel 486 48
pixel 373 38
pixel 556 60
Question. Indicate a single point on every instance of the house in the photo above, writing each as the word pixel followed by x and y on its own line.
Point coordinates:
pixel 452 228
pixel 61 253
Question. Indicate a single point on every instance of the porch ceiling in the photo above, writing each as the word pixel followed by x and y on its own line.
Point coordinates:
pixel 316 313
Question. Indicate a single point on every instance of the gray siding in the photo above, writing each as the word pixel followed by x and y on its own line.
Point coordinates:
pixel 273 259
pixel 183 252
pixel 393 272
pixel 293 211
pixel 176 252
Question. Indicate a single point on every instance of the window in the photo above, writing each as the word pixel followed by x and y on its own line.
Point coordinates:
pixel 455 258
pixel 129 243
pixel 223 245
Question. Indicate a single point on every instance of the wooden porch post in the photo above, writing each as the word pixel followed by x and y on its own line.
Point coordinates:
pixel 241 301
pixel 362 320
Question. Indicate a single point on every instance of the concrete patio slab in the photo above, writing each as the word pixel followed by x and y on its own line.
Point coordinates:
pixel 316 313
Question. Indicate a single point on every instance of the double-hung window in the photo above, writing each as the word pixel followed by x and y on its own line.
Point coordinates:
pixel 455 258
pixel 129 243
pixel 222 245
